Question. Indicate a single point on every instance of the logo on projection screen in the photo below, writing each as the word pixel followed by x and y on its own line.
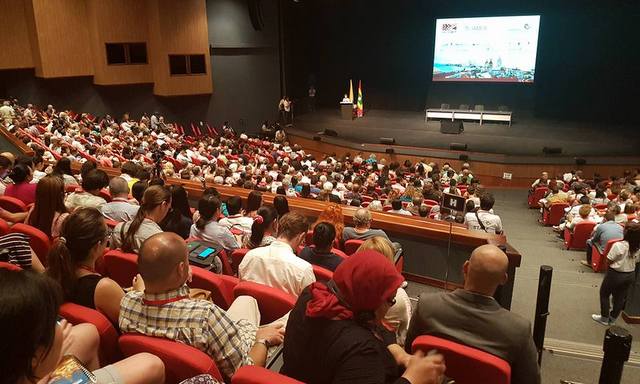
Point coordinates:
pixel 449 28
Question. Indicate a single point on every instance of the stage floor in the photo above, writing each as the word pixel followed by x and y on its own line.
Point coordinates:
pixel 526 136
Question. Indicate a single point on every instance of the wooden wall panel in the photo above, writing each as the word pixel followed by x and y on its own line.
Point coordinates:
pixel 117 21
pixel 63 38
pixel 490 174
pixel 178 28
pixel 16 47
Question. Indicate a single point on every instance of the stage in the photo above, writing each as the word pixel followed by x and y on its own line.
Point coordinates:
pixel 525 138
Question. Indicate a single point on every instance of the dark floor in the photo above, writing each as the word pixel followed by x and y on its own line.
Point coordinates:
pixel 526 136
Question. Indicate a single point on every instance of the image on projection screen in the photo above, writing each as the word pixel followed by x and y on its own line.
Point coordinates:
pixel 490 49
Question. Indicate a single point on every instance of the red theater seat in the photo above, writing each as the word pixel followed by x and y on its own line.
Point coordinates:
pixel 351 246
pixel 554 214
pixel 38 240
pixel 77 314
pixel 577 239
pixel 4 227
pixel 236 258
pixel 273 302
pixel 322 274
pixel 12 204
pixel 220 286
pixel 599 260
pixel 535 197
pixel 9 266
pixel 181 361
pixel 121 267
pixel 251 374
pixel 466 365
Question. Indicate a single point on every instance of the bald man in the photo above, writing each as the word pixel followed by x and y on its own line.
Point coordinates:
pixel 119 208
pixel 472 316
pixel 232 338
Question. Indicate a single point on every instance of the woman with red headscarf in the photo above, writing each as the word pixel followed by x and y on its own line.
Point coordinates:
pixel 335 332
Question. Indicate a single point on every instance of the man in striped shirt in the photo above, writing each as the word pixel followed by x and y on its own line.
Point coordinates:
pixel 232 338
pixel 15 249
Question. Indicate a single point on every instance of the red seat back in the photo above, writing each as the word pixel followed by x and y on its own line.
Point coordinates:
pixel 9 266
pixel 273 303
pixel 578 238
pixel 251 374
pixel 465 364
pixel 220 286
pixel 538 194
pixel 12 204
pixel 387 208
pixel 181 361
pixel 351 246
pixel 236 258
pixel 38 240
pixel 308 238
pixel 322 274
pixel 4 227
pixel 121 267
pixel 77 314
pixel 599 260
pixel 556 213
pixel 105 195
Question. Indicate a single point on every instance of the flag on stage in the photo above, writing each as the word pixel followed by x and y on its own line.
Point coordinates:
pixel 350 90
pixel 359 109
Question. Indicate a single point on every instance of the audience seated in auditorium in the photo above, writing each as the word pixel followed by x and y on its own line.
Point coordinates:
pixel 129 236
pixel 362 227
pixel 320 254
pixel 236 219
pixel 277 265
pixel 603 232
pixel 543 181
pixel 89 196
pixel 556 195
pixel 281 204
pixel 484 219
pixel 83 239
pixel 263 229
pixel 119 208
pixel 62 168
pixel 473 317
pixel 335 332
pixel 398 316
pixel 254 202
pixel 5 167
pixel 583 215
pixel 208 228
pixel 396 207
pixel 232 338
pixel 178 220
pixel 38 340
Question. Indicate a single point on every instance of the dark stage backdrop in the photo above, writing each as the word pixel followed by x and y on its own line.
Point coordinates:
pixel 588 56
pixel 245 74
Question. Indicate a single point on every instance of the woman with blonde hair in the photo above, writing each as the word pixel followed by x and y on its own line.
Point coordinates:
pixel 332 214
pixel 399 314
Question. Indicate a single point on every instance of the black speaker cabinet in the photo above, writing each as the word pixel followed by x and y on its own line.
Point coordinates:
pixel 451 127
pixel 330 132
pixel 457 146
pixel 387 140
pixel 552 150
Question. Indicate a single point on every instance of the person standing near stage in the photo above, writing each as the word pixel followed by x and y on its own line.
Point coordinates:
pixel 285 110
pixel 312 98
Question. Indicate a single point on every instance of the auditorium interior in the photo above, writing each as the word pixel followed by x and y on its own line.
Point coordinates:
pixel 333 115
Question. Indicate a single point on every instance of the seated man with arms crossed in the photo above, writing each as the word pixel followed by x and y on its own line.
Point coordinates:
pixel 232 338
pixel 473 317
pixel 362 229
pixel 119 208
pixel 277 265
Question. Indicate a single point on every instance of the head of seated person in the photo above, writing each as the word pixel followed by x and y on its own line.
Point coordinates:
pixel 396 204
pixel 487 201
pixel 118 188
pixel 209 209
pixel 94 181
pixel 137 190
pixel 362 218
pixel 234 205
pixel 470 206
pixel 86 167
pixel 323 235
pixel 355 203
pixel 485 270
pixel 156 203
pixel 292 228
pixel 29 306
pixel 163 263
pixel 20 173
pixel 423 211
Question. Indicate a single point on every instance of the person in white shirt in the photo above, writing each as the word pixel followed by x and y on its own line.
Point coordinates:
pixel 483 219
pixel 7 113
pixel 622 258
pixel 396 205
pixel 346 99
pixel 89 196
pixel 208 228
pixel 277 265
pixel 236 218
pixel 119 208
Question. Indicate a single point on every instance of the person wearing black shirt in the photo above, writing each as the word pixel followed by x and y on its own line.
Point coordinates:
pixel 320 254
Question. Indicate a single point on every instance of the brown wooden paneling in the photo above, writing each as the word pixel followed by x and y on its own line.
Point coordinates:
pixel 178 27
pixel 16 47
pixel 117 21
pixel 490 174
pixel 63 38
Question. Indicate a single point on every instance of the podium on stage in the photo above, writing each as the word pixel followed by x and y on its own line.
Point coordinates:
pixel 346 111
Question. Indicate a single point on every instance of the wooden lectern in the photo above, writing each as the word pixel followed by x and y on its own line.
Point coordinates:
pixel 346 111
